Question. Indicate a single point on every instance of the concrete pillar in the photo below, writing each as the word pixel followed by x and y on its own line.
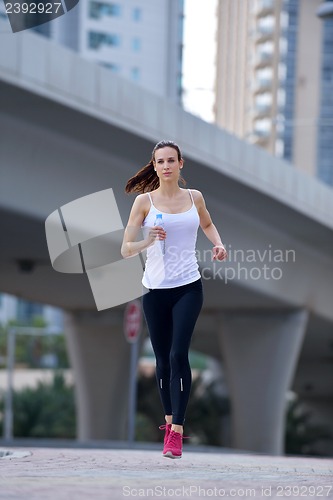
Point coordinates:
pixel 260 351
pixel 100 359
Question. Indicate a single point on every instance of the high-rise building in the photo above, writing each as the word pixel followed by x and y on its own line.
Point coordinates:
pixel 325 121
pixel 274 79
pixel 141 40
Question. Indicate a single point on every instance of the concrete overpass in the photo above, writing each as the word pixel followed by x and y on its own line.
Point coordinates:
pixel 69 128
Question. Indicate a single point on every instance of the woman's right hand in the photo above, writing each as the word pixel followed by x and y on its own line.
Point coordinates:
pixel 155 233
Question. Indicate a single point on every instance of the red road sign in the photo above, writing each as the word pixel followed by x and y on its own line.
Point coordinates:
pixel 132 321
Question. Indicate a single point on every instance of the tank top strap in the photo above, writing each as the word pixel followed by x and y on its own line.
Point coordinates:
pixel 191 195
pixel 151 201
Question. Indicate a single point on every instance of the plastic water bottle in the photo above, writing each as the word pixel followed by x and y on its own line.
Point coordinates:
pixel 160 243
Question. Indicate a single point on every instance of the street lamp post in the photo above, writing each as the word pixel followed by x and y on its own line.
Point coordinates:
pixel 8 413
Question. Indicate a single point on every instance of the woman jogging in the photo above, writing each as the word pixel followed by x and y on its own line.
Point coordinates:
pixel 173 303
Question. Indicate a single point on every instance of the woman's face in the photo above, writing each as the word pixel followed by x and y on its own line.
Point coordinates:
pixel 167 164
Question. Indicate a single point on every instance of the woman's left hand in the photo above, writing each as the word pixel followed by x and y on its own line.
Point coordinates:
pixel 219 252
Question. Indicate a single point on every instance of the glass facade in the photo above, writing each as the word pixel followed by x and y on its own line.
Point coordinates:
pixel 289 59
pixel 325 121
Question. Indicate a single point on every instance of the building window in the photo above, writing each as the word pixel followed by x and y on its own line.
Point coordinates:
pixel 266 4
pixel 263 127
pixel 266 25
pixel 137 14
pixel 264 79
pixel 135 74
pixel 136 44
pixel 101 9
pixel 180 86
pixel 27 311
pixel 115 68
pixel 96 39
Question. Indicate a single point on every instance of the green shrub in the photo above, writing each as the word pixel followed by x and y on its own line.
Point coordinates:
pixel 301 436
pixel 47 411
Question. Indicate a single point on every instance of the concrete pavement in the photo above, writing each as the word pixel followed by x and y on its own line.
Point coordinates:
pixel 70 474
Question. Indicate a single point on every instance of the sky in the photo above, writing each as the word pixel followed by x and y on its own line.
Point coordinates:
pixel 199 57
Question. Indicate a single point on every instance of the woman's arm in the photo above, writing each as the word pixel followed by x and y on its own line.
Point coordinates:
pixel 130 247
pixel 206 224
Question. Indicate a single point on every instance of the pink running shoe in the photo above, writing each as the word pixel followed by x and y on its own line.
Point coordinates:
pixel 173 448
pixel 167 428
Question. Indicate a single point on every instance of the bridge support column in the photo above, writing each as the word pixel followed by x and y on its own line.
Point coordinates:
pixel 100 359
pixel 260 351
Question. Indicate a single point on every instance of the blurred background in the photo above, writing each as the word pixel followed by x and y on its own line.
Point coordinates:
pixel 246 89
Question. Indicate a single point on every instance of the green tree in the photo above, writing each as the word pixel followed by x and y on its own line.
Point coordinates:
pixel 30 349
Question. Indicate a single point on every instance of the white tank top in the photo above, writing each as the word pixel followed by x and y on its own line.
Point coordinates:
pixel 178 266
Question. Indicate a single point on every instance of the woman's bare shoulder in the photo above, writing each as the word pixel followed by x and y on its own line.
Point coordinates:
pixel 142 203
pixel 197 195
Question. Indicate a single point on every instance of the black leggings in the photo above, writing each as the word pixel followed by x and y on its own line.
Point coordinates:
pixel 171 314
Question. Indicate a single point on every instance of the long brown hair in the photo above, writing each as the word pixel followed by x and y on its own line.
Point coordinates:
pixel 146 179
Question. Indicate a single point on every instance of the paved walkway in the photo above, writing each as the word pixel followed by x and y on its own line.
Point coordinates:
pixel 70 474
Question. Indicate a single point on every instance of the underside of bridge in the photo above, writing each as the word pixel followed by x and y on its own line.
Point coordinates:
pixel 271 335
